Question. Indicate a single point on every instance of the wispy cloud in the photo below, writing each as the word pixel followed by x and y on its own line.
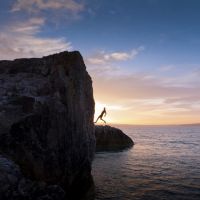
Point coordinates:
pixel 29 27
pixel 186 99
pixel 102 57
pixel 39 5
pixel 103 70
pixel 21 40
pixel 136 86
pixel 167 68
pixel 185 79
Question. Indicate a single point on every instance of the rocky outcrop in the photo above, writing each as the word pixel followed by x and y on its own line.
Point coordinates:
pixel 111 139
pixel 46 122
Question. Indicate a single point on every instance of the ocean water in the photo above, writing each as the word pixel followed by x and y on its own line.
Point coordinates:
pixel 164 164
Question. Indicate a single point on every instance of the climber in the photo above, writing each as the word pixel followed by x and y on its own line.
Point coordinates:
pixel 103 113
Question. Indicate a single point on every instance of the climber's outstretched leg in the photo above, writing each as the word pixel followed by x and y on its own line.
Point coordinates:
pixel 96 120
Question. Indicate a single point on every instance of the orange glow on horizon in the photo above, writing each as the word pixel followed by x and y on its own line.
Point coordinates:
pixel 118 115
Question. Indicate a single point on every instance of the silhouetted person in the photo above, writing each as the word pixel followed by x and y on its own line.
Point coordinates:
pixel 103 113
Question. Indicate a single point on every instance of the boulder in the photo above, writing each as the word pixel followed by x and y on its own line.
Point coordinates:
pixel 111 139
pixel 46 120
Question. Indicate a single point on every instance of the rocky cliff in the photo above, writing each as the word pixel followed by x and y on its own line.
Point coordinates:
pixel 46 126
pixel 111 139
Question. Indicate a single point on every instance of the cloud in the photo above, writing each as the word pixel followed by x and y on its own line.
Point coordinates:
pixel 96 70
pixel 190 99
pixel 167 68
pixel 39 5
pixel 184 79
pixel 29 27
pixel 102 57
pixel 21 40
pixel 136 86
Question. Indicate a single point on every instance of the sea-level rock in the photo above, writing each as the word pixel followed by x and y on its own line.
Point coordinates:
pixel 46 120
pixel 111 139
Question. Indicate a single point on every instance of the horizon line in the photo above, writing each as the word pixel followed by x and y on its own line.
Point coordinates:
pixel 121 124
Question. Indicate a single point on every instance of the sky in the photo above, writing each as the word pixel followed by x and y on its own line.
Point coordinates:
pixel 143 55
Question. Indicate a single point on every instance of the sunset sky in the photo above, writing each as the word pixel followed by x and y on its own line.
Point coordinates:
pixel 143 55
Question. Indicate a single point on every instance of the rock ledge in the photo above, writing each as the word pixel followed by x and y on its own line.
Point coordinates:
pixel 111 139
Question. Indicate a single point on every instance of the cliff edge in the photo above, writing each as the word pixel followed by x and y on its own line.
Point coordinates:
pixel 46 128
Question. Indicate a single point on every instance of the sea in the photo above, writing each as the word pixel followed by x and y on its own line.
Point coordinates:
pixel 164 164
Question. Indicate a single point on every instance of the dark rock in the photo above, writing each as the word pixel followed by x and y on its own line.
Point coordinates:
pixel 111 139
pixel 14 186
pixel 46 121
pixel 10 176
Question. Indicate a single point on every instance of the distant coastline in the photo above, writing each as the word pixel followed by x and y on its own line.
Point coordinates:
pixel 196 124
pixel 193 124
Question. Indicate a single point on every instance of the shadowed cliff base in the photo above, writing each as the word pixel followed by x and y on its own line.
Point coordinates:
pixel 46 128
pixel 111 139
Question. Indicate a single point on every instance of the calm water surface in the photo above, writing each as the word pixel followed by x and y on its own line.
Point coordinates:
pixel 163 164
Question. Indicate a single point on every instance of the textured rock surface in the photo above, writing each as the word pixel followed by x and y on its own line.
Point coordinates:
pixel 46 120
pixel 14 186
pixel 111 139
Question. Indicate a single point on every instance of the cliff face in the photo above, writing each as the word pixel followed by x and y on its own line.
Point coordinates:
pixel 46 120
pixel 111 139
